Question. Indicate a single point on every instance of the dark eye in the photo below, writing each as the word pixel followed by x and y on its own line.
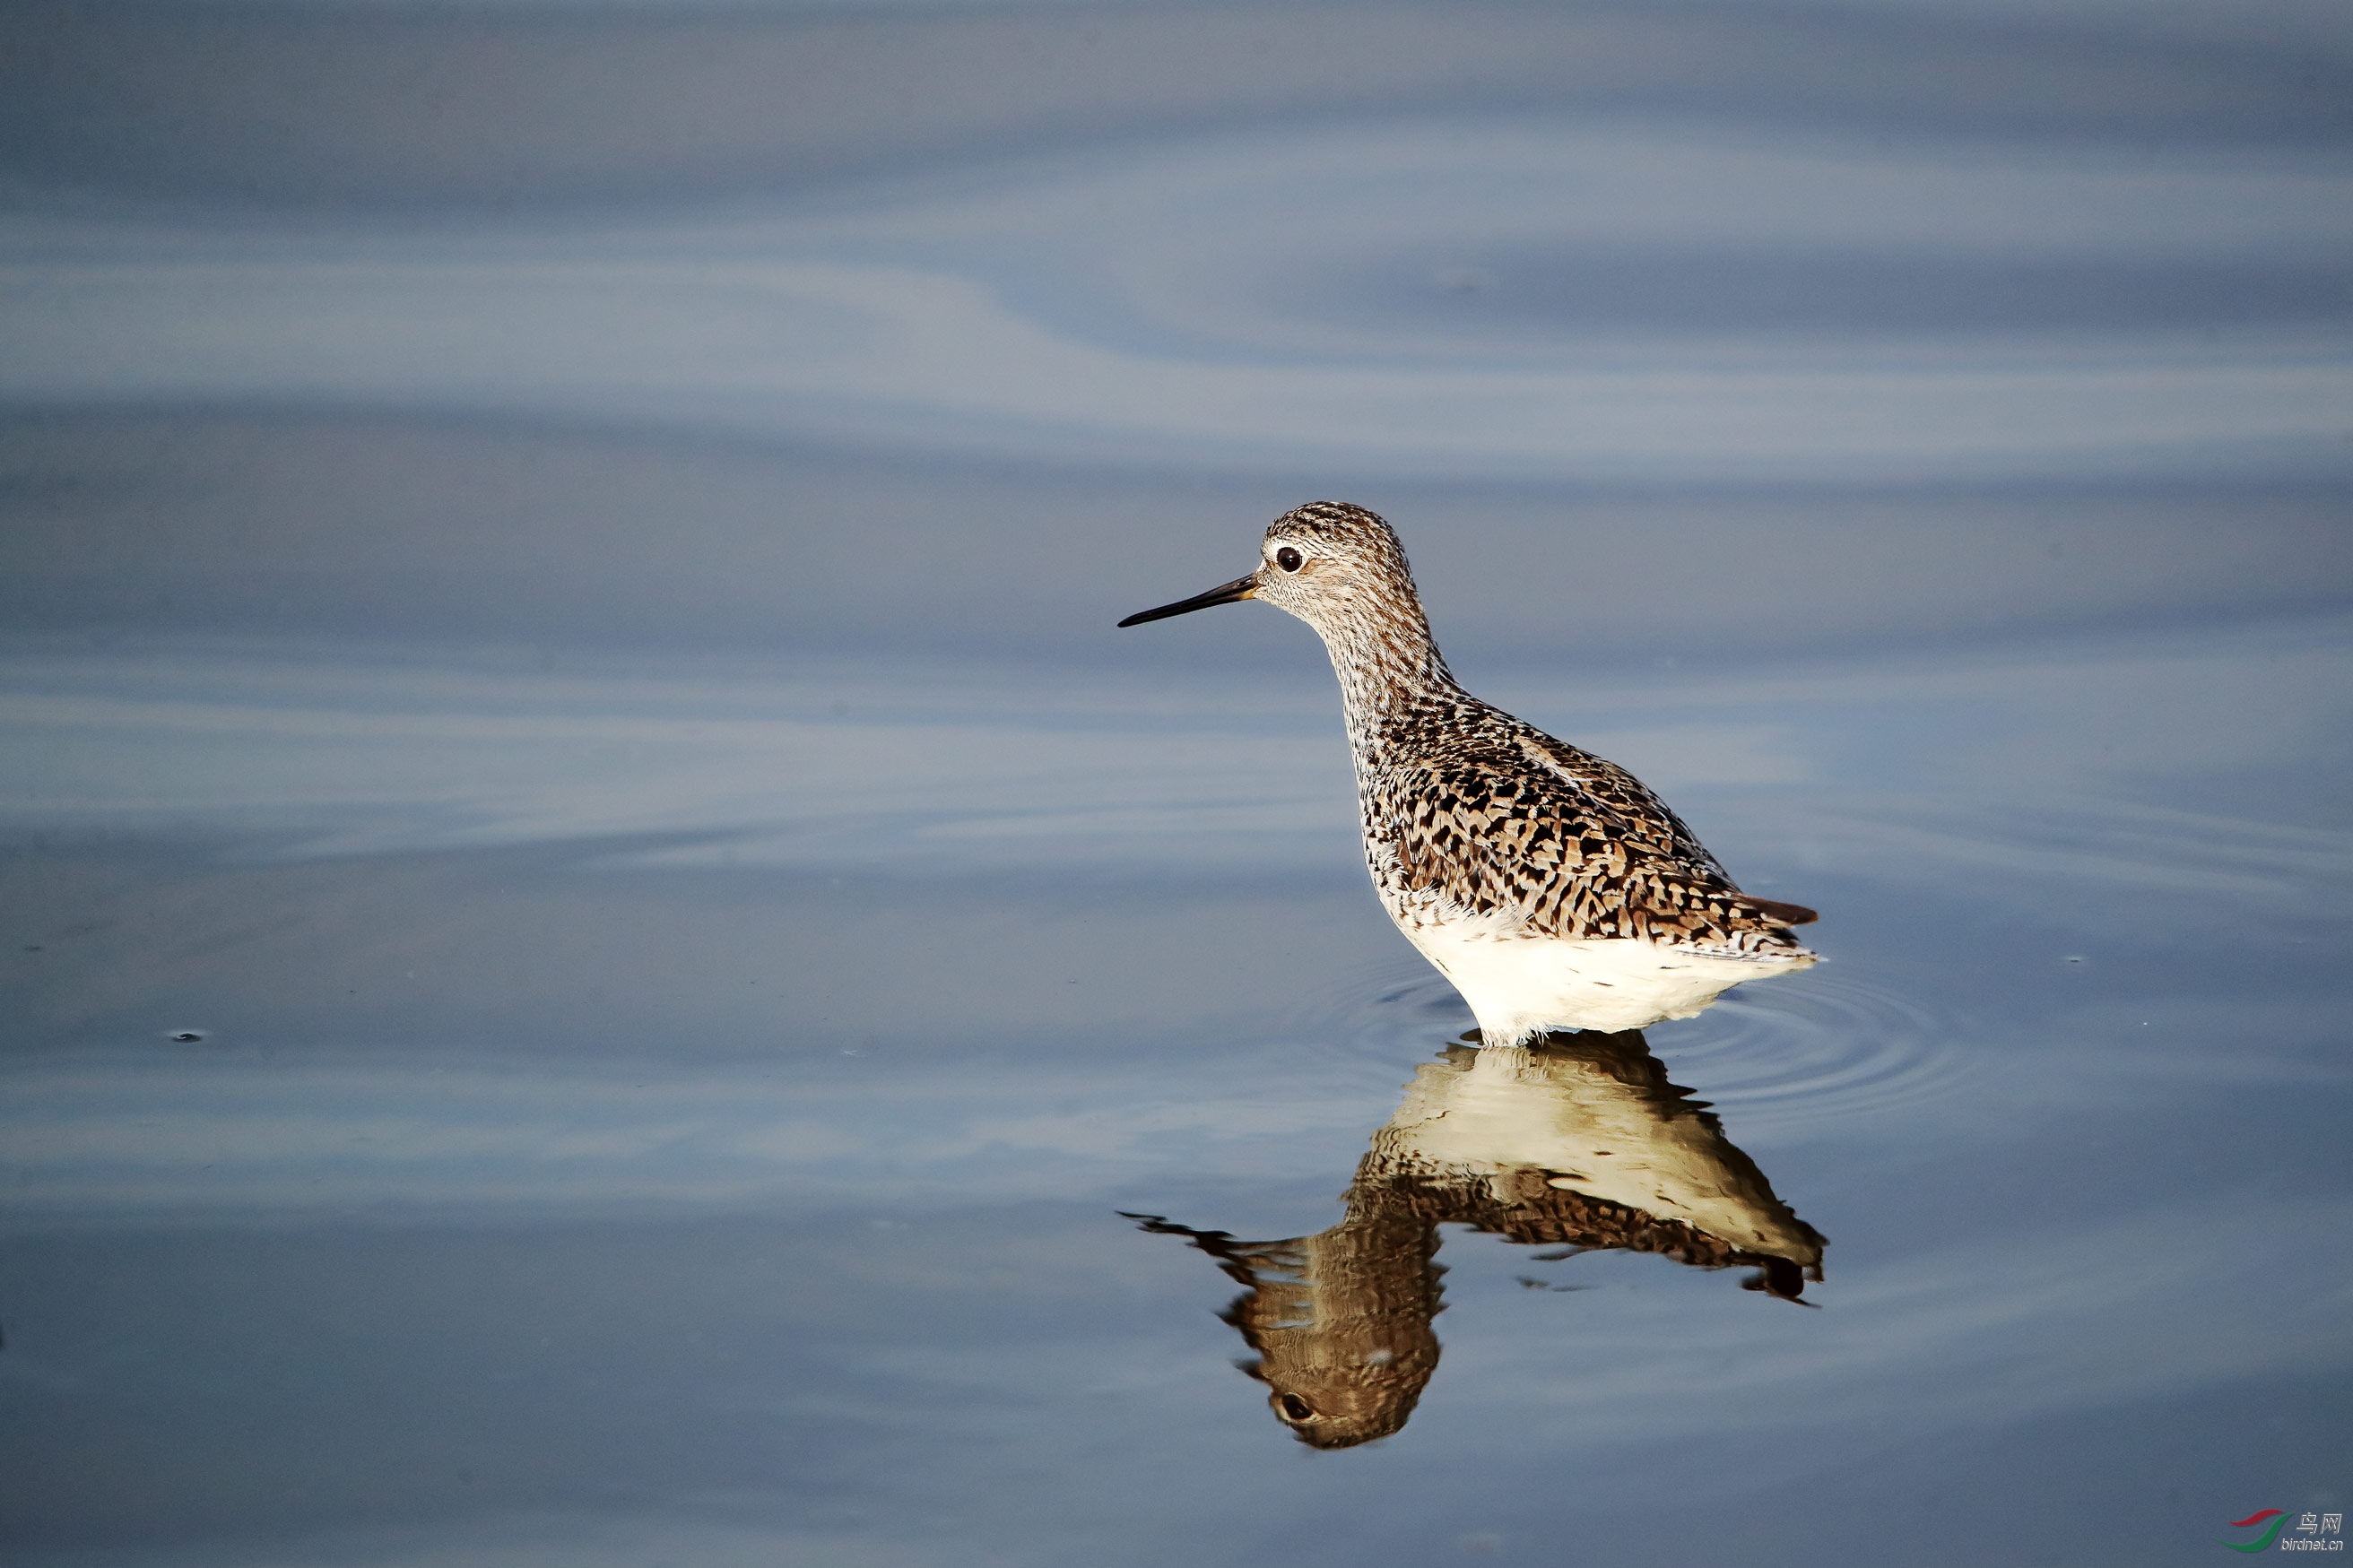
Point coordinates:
pixel 1290 560
pixel 1294 1408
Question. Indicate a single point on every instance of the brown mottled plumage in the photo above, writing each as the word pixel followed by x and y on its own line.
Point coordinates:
pixel 1482 828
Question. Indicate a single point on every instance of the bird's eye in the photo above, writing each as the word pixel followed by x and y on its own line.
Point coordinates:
pixel 1290 560
pixel 1293 1408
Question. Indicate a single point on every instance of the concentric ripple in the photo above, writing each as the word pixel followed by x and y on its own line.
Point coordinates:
pixel 1813 1052
pixel 1809 1052
pixel 1375 1026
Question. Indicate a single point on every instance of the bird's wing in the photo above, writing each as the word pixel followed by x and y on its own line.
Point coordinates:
pixel 1576 850
pixel 1659 830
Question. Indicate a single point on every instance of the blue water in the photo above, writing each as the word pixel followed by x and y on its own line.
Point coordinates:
pixel 601 938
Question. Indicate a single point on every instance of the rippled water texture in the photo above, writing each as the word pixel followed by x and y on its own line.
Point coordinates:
pixel 608 961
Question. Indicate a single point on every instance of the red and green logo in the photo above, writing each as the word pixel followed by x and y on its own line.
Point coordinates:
pixel 2278 1518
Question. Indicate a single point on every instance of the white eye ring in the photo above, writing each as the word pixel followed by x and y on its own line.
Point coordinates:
pixel 1290 560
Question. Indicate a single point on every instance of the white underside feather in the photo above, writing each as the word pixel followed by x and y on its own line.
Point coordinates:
pixel 1520 985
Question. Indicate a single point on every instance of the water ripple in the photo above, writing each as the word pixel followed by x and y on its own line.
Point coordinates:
pixel 1375 1027
pixel 1816 1052
pixel 1824 1050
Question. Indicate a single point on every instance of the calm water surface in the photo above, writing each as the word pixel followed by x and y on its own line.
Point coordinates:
pixel 476 1117
pixel 608 961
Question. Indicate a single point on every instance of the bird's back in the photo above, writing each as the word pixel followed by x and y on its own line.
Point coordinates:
pixel 1471 814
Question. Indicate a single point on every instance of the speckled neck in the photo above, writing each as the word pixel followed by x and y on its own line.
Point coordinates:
pixel 1391 673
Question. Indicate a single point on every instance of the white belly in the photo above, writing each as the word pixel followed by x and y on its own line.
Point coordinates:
pixel 1520 986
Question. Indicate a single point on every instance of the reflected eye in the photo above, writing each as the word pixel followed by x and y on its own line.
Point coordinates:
pixel 1290 560
pixel 1294 1408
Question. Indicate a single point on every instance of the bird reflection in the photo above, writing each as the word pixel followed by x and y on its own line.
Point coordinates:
pixel 1574 1142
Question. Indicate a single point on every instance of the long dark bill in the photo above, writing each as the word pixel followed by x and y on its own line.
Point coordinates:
pixel 1240 588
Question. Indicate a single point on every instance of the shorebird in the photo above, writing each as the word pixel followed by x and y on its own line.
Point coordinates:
pixel 1550 887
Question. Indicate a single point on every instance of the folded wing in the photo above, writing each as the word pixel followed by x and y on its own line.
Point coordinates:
pixel 1561 843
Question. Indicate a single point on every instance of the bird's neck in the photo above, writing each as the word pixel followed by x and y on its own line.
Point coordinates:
pixel 1390 674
